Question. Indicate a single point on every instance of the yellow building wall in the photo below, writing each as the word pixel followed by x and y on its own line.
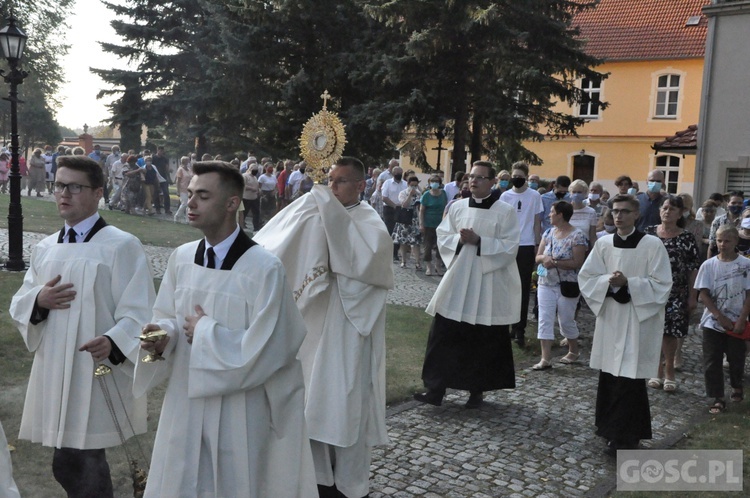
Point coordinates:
pixel 620 140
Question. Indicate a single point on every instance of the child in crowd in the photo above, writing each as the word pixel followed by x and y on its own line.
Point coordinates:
pixel 724 285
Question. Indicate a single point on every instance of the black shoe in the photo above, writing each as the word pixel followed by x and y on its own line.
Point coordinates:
pixel 430 397
pixel 521 341
pixel 475 400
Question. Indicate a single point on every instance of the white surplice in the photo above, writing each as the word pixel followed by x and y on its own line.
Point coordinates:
pixel 627 337
pixel 484 289
pixel 8 488
pixel 112 278
pixel 338 264
pixel 232 422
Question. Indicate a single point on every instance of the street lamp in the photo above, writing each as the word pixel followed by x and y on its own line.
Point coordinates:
pixel 13 41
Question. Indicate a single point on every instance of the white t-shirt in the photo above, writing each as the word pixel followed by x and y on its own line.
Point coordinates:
pixel 391 189
pixel 294 180
pixel 527 205
pixel 451 189
pixel 727 282
pixel 267 182
pixel 583 219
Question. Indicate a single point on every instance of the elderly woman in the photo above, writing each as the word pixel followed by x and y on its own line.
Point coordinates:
pixel 560 256
pixel 503 181
pixel 37 172
pixel 407 234
pixel 685 260
pixel 584 217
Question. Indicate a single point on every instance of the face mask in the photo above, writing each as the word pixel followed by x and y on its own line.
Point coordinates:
pixel 518 182
pixel 745 223
pixel 254 172
pixel 434 185
pixel 559 195
pixel 593 197
pixel 735 210
pixel 302 170
pixel 504 183
pixel 576 197
pixel 686 214
pixel 654 187
pixel 632 191
pixel 398 177
pixel 533 185
pixel 465 193
pixel 609 228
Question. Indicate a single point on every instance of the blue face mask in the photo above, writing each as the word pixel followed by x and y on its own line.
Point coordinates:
pixel 504 183
pixel 577 197
pixel 654 187
pixel 735 210
pixel 632 191
pixel 533 185
pixel 434 185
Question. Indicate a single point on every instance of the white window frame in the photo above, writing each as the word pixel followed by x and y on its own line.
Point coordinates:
pixel 589 90
pixel 678 91
pixel 668 168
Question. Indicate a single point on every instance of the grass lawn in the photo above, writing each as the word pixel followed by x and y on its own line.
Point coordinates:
pixel 41 216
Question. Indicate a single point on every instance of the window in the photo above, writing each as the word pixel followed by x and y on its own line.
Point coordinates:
pixel 667 95
pixel 670 165
pixel 738 179
pixel 592 89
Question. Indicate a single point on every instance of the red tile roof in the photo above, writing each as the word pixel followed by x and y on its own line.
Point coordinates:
pixel 684 140
pixel 623 30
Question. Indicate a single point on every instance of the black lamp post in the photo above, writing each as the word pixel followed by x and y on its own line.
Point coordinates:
pixel 440 135
pixel 13 41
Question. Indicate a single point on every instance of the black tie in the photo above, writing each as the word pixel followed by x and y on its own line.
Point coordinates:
pixel 210 256
pixel 71 236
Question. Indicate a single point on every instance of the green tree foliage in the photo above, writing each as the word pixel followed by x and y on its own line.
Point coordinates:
pixel 492 69
pixel 41 21
pixel 246 74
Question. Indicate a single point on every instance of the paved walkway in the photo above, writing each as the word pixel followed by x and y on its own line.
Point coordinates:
pixel 535 440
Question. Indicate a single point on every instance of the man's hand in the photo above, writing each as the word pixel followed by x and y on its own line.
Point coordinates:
pixel 191 321
pixel 468 236
pixel 54 296
pixel 100 348
pixel 618 279
pixel 739 326
pixel 157 347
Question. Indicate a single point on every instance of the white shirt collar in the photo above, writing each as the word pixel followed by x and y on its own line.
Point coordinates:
pixel 478 200
pixel 625 237
pixel 82 228
pixel 222 248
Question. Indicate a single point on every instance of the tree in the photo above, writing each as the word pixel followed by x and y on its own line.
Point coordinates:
pixel 44 48
pixel 494 69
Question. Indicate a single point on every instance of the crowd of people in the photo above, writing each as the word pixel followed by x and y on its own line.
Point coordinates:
pixel 274 346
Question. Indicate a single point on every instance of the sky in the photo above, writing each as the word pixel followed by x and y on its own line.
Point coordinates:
pixel 79 105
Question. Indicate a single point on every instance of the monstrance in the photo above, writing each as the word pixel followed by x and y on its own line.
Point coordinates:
pixel 323 139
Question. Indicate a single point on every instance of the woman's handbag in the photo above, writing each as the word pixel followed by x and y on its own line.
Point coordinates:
pixel 569 289
pixel 404 215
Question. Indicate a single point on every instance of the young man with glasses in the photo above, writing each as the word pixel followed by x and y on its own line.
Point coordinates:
pixel 85 297
pixel 469 345
pixel 626 281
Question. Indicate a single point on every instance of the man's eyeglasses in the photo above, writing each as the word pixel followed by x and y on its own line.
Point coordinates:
pixel 478 177
pixel 73 188
pixel 615 212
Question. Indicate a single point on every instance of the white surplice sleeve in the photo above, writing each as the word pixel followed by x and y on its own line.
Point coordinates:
pixel 649 293
pixel 224 361
pixel 500 250
pixel 593 278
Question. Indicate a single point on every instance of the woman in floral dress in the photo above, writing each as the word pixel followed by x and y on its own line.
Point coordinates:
pixel 685 260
